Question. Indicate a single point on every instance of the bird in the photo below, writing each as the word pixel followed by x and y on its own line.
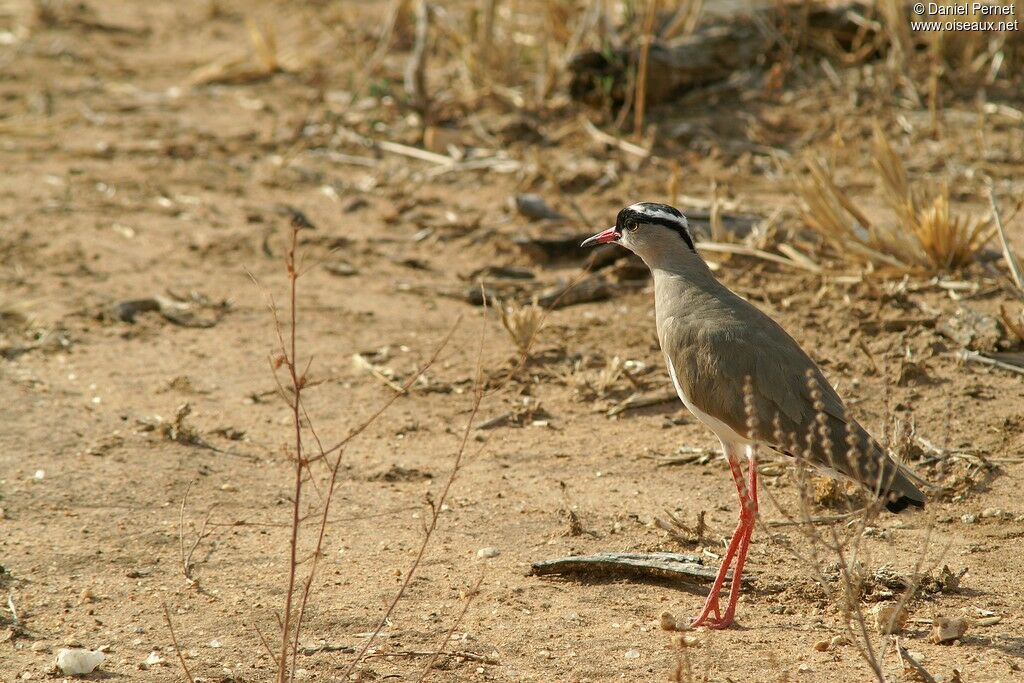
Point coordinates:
pixel 745 378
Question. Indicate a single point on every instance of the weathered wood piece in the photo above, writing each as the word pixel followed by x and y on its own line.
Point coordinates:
pixel 674 566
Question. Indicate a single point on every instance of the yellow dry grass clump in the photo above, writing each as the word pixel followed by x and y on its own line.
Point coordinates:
pixel 523 324
pixel 925 235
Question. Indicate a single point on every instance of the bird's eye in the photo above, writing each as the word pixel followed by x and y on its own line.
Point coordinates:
pixel 632 226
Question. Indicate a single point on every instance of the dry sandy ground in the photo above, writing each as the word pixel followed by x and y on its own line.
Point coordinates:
pixel 119 182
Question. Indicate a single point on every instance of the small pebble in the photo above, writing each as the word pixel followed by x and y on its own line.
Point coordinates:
pixel 988 513
pixel 945 630
pixel 838 641
pixel 667 621
pixel 154 659
pixel 969 518
pixel 632 654
pixel 40 646
pixel 215 643
pixel 86 596
pixel 488 552
pixel 39 475
pixel 805 669
pixel 821 646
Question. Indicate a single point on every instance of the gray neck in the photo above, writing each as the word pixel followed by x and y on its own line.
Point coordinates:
pixel 684 287
pixel 675 259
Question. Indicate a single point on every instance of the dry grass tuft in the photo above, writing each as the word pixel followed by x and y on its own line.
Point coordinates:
pixel 925 235
pixel 945 240
pixel 523 324
pixel 588 383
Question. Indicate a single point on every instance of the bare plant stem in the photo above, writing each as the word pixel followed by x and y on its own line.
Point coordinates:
pixel 266 645
pixel 289 359
pixel 640 104
pixel 436 506
pixel 291 623
pixel 455 625
pixel 177 648
pixel 186 558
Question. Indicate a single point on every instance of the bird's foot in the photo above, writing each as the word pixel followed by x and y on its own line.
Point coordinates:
pixel 715 624
pixel 705 618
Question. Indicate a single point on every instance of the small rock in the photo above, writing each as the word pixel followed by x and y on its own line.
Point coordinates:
pixel 154 659
pixel 890 618
pixel 821 646
pixel 533 206
pixel 86 596
pixel 39 475
pixel 839 641
pixel 969 518
pixel 40 646
pixel 632 654
pixel 215 643
pixel 488 552
pixel 989 513
pixel 946 629
pixel 667 621
pixel 77 661
pixel 805 669
pixel 341 269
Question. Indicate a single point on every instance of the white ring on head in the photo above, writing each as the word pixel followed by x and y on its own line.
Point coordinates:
pixel 645 210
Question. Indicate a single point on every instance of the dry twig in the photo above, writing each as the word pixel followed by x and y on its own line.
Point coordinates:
pixel 174 641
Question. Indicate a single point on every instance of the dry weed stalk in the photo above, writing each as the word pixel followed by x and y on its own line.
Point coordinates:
pixel 297 377
pixel 436 507
pixel 451 630
pixel 177 648
pixel 839 546
pixel 646 38
pixel 186 557
pixel 536 319
pixel 415 77
pixel 926 235
pixel 1011 259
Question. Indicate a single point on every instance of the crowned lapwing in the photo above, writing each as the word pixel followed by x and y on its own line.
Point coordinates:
pixel 748 381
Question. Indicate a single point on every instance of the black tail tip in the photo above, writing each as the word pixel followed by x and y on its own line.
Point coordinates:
pixel 900 503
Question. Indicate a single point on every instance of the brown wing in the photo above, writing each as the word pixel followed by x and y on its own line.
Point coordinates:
pixel 712 361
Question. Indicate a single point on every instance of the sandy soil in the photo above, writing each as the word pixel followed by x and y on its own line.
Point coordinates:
pixel 121 182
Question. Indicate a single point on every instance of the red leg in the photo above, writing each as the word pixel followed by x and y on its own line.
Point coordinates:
pixel 738 546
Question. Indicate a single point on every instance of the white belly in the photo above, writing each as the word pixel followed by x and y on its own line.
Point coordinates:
pixel 723 431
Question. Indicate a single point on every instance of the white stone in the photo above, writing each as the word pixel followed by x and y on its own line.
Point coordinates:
pixel 154 659
pixel 77 661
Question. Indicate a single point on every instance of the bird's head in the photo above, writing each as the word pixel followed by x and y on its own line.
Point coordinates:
pixel 652 231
